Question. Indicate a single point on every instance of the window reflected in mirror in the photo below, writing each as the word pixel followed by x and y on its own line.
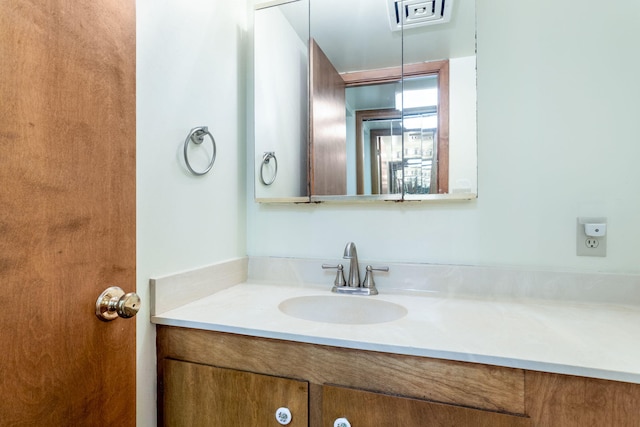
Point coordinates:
pixel 396 129
pixel 423 156
pixel 359 121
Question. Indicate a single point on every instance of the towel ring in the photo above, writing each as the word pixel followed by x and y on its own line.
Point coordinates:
pixel 266 158
pixel 196 136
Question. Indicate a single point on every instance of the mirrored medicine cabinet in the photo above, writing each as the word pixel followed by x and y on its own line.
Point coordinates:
pixel 362 100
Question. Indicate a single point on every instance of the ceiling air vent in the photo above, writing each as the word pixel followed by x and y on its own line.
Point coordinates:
pixel 418 13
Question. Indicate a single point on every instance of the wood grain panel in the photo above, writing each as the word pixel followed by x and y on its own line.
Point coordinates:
pixel 570 401
pixel 480 386
pixel 328 127
pixel 199 395
pixel 364 408
pixel 315 405
pixel 67 210
pixel 443 129
pixel 392 74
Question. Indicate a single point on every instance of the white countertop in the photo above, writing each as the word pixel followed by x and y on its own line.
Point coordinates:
pixel 600 340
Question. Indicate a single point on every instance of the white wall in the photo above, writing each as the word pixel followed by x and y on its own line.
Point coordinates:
pixel 557 108
pixel 190 72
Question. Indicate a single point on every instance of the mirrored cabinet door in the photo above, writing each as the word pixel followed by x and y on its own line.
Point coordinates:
pixel 353 98
pixel 358 100
pixel 281 100
pixel 439 106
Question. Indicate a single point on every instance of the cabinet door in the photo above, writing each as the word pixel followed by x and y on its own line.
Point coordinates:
pixel 364 409
pixel 569 401
pixel 202 395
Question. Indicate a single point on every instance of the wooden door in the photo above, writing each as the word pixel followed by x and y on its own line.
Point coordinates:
pixel 362 408
pixel 67 210
pixel 328 119
pixel 201 395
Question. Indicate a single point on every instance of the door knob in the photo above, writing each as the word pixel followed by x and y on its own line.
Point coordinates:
pixel 114 303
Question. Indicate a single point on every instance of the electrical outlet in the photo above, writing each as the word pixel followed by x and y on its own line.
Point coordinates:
pixel 592 243
pixel 589 245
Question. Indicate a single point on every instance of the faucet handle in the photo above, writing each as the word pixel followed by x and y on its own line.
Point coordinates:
pixel 339 281
pixel 368 277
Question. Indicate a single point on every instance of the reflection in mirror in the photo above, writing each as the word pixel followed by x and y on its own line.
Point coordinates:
pixel 391 102
pixel 451 169
pixel 397 129
pixel 378 137
pixel 376 134
pixel 425 152
pixel 281 100
pixel 399 144
pixel 394 139
pixel 346 46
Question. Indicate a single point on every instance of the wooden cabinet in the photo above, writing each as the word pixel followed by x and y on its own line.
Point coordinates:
pixel 212 378
pixel 200 372
pixel 201 395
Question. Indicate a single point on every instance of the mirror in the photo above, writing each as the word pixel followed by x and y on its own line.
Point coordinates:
pixel 281 100
pixel 362 100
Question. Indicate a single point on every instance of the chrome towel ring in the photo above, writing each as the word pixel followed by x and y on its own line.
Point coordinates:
pixel 196 135
pixel 266 158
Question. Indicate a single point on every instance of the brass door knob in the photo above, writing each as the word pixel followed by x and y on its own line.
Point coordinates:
pixel 114 303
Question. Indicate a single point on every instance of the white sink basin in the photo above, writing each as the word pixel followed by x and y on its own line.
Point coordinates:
pixel 355 310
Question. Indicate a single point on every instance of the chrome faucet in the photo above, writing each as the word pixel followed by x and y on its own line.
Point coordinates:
pixel 352 285
pixel 351 254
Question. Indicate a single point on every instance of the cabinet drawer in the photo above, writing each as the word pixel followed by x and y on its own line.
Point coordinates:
pixel 460 383
pixel 363 408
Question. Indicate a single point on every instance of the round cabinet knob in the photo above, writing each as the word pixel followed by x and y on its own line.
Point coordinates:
pixel 114 303
pixel 283 415
pixel 341 422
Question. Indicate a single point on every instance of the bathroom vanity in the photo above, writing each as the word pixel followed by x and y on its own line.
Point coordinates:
pixel 451 360
pixel 208 378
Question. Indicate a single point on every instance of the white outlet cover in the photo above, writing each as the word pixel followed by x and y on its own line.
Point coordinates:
pixel 585 245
